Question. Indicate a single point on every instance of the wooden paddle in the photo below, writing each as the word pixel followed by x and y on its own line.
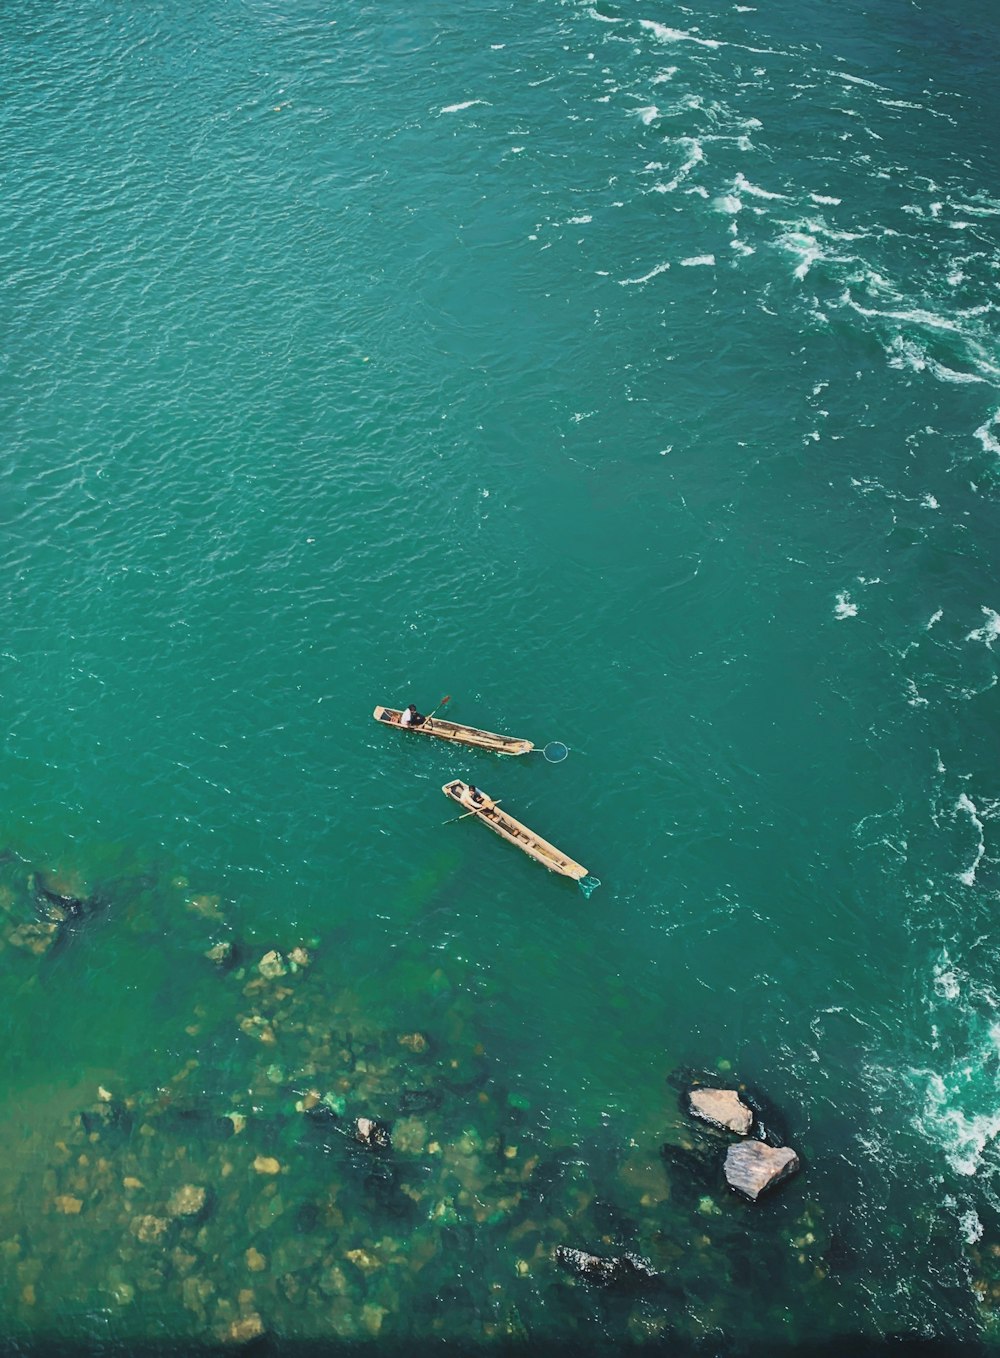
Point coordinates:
pixel 471 813
pixel 441 704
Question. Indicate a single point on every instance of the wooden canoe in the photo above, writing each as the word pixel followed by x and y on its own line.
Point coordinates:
pixel 510 829
pixel 461 735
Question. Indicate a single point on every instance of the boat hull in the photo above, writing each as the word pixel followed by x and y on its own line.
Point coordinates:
pixel 458 735
pixel 515 833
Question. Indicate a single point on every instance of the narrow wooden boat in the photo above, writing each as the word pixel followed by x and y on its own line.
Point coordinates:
pixel 461 735
pixel 510 829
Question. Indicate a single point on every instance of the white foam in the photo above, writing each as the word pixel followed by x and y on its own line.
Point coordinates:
pixel 986 436
pixel 990 629
pixel 945 980
pixel 695 260
pixel 844 607
pixel 906 353
pixel 743 185
pixel 665 34
pixel 696 155
pixel 946 374
pixel 930 502
pixel 914 696
pixel 728 203
pixel 632 282
pixel 825 199
pixel 986 209
pixel 805 247
pixel 915 316
pixel 970 1226
pixel 582 220
pixel 457 108
pixel 856 80
pixel 648 114
pixel 935 617
pixel 959 1111
pixel 741 247
pixel 964 1136
pixel 667 74
pixel 966 804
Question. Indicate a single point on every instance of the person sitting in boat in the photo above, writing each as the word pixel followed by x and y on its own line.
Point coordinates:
pixel 411 717
pixel 476 800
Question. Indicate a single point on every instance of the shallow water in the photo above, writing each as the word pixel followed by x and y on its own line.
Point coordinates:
pixel 629 375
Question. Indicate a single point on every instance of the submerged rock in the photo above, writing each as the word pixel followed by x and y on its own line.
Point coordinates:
pixel 266 1164
pixel 59 906
pixel 223 954
pixel 196 1120
pixel 108 1120
pixel 420 1100
pixel 243 1330
pixel 367 1263
pixel 206 906
pixel 721 1108
pixel 34 938
pixel 623 1270
pixel 256 1026
pixel 690 1164
pixel 148 1228
pixel 187 1201
pixel 752 1168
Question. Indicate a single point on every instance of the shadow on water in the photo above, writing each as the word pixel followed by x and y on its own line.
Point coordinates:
pixel 892 1346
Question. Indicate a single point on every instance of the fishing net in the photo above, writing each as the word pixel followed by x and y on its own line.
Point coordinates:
pixel 555 751
pixel 589 885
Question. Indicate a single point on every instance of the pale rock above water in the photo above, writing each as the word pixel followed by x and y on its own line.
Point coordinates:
pixel 722 1108
pixel 271 966
pixel 752 1168
pixel 372 1133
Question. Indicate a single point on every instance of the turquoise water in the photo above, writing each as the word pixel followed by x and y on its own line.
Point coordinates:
pixel 630 375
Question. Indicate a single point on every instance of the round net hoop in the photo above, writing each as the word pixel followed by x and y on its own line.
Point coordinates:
pixel 555 751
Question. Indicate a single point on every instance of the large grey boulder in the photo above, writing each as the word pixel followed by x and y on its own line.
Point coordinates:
pixel 722 1108
pixel 752 1168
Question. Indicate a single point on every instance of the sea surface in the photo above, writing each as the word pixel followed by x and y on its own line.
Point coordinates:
pixel 627 374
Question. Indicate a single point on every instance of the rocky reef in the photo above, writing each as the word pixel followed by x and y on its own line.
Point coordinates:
pixel 310 1167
